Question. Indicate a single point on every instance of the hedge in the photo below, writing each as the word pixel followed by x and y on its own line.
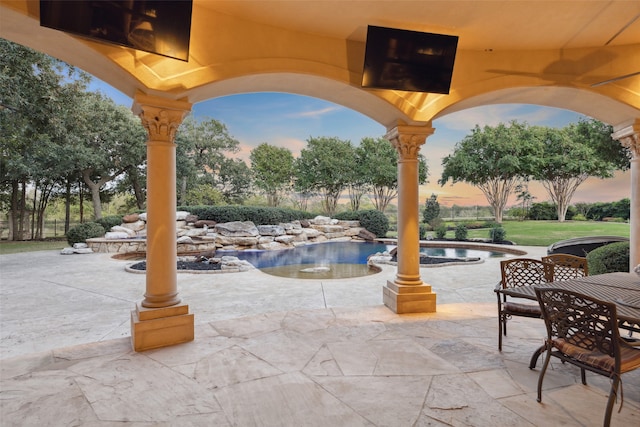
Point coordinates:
pixel 609 258
pixel 258 215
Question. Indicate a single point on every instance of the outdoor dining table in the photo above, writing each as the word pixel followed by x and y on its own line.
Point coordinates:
pixel 623 289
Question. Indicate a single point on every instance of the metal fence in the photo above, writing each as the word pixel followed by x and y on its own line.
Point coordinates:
pixel 52 228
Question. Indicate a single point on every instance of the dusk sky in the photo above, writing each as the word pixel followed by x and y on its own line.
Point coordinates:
pixel 287 120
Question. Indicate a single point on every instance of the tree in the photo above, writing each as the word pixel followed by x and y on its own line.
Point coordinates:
pixel 114 141
pixel 233 180
pixel 358 183
pixel 36 94
pixel 572 154
pixel 325 166
pixel 201 147
pixel 204 194
pixel 525 197
pixel 431 209
pixel 272 169
pixel 380 170
pixel 494 159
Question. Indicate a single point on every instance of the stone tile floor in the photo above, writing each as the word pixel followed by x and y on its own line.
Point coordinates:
pixel 277 352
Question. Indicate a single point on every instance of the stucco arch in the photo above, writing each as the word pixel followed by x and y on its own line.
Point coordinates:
pixel 600 107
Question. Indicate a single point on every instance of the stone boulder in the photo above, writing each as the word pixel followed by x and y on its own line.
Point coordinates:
pixel 238 229
pixel 121 229
pixel 182 215
pixel 271 230
pixel 366 234
pixel 116 235
pixel 135 225
pixel 191 218
pixel 321 220
pixel 134 217
pixel 202 222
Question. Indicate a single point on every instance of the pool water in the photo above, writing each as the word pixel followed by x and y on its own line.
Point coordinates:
pixel 317 254
pixel 334 260
pixel 461 253
pixel 331 260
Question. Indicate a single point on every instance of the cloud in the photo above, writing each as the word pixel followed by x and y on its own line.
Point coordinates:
pixel 315 113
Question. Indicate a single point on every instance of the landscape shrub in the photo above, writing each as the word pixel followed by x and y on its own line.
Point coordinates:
pixel 435 223
pixel 472 225
pixel 579 217
pixel 348 216
pixel 497 233
pixel 543 211
pixel 374 221
pixel 609 258
pixel 461 232
pixel 259 215
pixel 80 233
pixel 441 231
pixel 424 230
pixel 109 221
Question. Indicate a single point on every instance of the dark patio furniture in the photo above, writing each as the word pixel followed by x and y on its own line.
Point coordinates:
pixel 516 273
pixel 566 266
pixel 583 331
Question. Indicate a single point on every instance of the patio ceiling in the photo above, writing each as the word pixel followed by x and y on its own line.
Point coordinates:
pixel 546 52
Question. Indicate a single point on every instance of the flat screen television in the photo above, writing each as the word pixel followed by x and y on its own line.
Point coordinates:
pixel 162 27
pixel 408 60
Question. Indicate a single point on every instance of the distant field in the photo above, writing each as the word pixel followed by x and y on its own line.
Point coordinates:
pixel 544 233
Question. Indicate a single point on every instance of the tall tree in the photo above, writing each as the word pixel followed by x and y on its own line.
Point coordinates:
pixel 431 209
pixel 272 169
pixel 201 147
pixel 573 154
pixel 325 166
pixel 114 142
pixel 233 180
pixel 380 170
pixel 494 159
pixel 34 98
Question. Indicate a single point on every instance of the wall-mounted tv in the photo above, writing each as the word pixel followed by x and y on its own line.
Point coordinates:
pixel 157 26
pixel 408 60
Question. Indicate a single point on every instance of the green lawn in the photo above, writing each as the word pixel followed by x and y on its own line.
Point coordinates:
pixel 45 245
pixel 544 233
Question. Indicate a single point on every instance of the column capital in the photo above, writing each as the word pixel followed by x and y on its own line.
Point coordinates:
pixel 161 117
pixel 629 136
pixel 407 139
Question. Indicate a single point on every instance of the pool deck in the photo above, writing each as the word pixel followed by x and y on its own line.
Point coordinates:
pixel 271 351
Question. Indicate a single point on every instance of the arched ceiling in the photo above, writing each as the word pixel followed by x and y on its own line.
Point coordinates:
pixel 551 53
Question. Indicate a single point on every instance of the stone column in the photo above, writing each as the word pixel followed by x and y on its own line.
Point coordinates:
pixel 160 319
pixel 407 293
pixel 629 136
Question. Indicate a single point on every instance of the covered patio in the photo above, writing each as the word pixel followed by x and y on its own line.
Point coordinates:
pixel 574 55
pixel 270 351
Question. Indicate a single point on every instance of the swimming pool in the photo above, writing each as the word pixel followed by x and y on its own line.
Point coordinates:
pixel 333 260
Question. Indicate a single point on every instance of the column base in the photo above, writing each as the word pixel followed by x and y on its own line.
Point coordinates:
pixel 161 327
pixel 409 299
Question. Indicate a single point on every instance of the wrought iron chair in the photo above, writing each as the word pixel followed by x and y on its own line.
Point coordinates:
pixel 583 331
pixel 518 272
pixel 566 266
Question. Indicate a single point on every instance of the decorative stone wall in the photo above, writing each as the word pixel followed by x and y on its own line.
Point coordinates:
pixel 194 235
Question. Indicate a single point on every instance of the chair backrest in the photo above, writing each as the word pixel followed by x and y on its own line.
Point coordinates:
pixel 523 272
pixel 566 266
pixel 580 320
